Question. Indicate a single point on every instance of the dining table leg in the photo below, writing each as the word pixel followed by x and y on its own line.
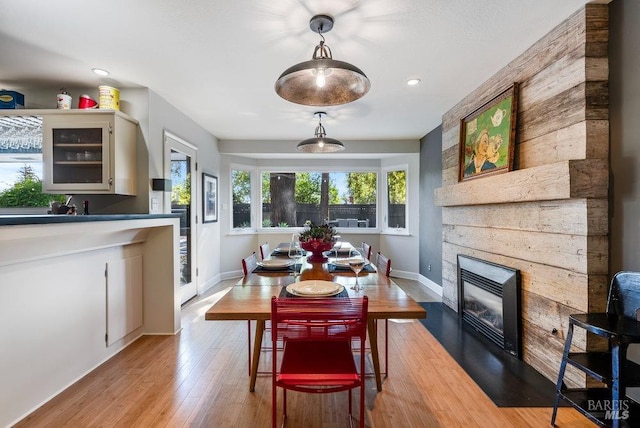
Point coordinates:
pixel 373 341
pixel 257 345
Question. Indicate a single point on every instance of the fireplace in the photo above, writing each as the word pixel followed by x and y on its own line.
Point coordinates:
pixel 489 301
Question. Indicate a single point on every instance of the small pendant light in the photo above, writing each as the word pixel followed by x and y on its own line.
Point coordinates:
pixel 320 143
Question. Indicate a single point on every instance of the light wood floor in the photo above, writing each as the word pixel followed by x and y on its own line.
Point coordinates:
pixel 199 378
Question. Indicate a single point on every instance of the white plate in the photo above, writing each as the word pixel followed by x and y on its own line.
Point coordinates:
pixel 275 263
pixel 345 262
pixel 283 249
pixel 315 288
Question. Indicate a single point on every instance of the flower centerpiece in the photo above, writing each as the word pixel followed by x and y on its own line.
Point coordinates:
pixel 317 239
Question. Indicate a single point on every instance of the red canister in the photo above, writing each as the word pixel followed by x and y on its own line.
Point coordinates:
pixel 85 101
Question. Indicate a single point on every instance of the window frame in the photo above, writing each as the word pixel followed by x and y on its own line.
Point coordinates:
pixel 385 229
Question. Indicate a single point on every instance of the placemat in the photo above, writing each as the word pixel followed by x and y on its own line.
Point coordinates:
pixel 275 253
pixel 285 293
pixel 287 269
pixel 333 268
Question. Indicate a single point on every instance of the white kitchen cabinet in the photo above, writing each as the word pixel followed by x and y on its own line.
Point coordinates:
pixel 124 297
pixel 89 152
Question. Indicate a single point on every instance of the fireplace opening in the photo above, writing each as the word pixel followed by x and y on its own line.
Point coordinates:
pixel 489 301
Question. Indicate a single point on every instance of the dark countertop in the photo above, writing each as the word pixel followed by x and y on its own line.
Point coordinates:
pixel 12 220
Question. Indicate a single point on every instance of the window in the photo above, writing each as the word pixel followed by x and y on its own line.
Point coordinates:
pixel 241 195
pixel 21 166
pixel 396 198
pixel 342 199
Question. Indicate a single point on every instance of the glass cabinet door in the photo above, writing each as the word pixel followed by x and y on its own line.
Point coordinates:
pixel 78 156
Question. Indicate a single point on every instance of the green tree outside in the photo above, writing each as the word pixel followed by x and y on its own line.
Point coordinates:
pixel 27 191
pixel 397 187
pixel 363 187
pixel 241 186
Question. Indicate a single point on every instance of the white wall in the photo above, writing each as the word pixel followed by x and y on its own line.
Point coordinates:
pixel 403 249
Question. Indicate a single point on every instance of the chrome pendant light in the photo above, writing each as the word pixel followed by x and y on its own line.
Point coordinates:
pixel 320 143
pixel 322 81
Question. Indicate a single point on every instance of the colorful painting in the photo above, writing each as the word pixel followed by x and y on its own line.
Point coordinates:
pixel 487 137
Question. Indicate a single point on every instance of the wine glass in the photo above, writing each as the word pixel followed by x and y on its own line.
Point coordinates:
pixel 295 253
pixel 336 248
pixel 356 263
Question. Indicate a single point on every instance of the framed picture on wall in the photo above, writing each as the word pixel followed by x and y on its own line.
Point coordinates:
pixel 209 198
pixel 487 137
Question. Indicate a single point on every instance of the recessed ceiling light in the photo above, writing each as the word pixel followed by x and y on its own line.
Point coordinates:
pixel 100 71
pixel 413 82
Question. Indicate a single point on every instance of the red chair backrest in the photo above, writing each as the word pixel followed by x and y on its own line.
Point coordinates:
pixel 249 264
pixel 383 264
pixel 265 250
pixel 332 318
pixel 366 251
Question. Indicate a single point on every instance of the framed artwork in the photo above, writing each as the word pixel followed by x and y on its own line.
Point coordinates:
pixel 209 198
pixel 487 137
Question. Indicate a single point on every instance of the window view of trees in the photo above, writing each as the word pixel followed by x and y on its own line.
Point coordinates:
pixel 241 198
pixel 342 199
pixel 26 191
pixel 397 198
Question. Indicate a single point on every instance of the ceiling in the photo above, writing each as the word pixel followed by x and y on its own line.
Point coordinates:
pixel 218 60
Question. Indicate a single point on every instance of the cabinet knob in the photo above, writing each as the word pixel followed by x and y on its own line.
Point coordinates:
pixel 110 182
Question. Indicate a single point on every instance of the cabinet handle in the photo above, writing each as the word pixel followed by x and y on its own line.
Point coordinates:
pixel 110 129
pixel 110 182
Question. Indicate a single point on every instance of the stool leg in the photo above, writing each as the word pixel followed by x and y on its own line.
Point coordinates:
pixel 618 388
pixel 563 366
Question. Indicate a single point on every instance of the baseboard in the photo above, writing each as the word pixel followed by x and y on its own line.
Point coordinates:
pixel 432 286
pixel 209 283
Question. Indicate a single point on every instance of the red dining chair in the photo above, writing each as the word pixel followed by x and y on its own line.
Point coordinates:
pixel 265 250
pixel 366 251
pixel 316 334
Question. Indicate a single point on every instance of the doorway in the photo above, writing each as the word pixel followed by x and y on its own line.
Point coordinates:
pixel 180 166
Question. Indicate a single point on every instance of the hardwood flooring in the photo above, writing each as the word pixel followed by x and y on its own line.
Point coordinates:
pixel 199 378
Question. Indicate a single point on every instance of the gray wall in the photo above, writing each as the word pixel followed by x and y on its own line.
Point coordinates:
pixel 624 109
pixel 430 215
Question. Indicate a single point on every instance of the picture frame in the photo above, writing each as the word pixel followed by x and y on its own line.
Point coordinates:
pixel 487 137
pixel 209 198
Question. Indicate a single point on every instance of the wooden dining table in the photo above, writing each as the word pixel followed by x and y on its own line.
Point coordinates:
pixel 250 299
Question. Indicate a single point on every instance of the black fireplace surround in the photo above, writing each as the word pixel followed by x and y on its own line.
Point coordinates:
pixel 489 300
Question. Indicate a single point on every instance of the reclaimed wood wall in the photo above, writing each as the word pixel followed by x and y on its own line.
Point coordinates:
pixel 549 217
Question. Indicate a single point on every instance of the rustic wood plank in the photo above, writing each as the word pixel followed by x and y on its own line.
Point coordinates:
pixel 450 157
pixel 451 137
pixel 450 176
pixel 588 139
pixel 582 254
pixel 560 76
pixel 548 362
pixel 586 178
pixel 588 100
pixel 569 216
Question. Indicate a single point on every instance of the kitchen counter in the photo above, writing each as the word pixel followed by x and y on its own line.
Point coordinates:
pixel 74 293
pixel 12 220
